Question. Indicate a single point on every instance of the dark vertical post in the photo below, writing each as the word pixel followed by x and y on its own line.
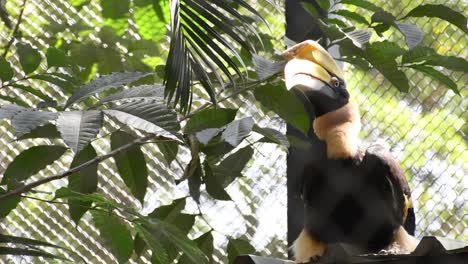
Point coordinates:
pixel 300 25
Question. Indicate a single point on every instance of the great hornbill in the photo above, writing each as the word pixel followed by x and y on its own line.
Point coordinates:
pixel 351 195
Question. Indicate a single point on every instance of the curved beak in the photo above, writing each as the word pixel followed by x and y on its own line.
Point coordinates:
pixel 311 68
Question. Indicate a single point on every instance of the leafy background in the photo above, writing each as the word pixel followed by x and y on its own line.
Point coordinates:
pixel 425 127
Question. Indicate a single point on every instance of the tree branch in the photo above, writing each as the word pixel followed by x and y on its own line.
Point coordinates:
pixel 13 33
pixel 30 186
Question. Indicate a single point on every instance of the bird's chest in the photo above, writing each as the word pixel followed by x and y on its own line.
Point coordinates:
pixel 342 201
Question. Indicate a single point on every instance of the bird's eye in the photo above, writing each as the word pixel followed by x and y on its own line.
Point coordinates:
pixel 335 82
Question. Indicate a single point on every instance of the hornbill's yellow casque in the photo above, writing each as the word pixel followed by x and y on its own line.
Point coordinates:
pixel 353 195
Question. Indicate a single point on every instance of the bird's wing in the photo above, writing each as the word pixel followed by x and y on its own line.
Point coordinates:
pixel 379 161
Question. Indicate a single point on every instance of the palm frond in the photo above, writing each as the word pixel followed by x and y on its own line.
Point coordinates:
pixel 204 37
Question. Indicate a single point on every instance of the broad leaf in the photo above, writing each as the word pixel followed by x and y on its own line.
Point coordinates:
pixel 173 214
pixel 97 199
pixel 382 56
pixel 437 75
pixel 174 239
pixel 442 12
pixel 25 121
pixel 115 234
pixel 210 118
pixel 285 104
pixel 29 57
pixel 237 247
pixel 142 91
pixel 413 34
pixel 205 243
pixel 272 135
pixel 159 253
pixel 206 135
pixel 78 128
pixel 6 206
pixel 153 110
pixel 104 83
pixel 430 57
pixel 45 131
pixel 30 162
pixel 231 167
pixel 361 3
pixel 169 150
pixel 131 165
pixel 310 8
pixel 139 123
pixel 6 72
pixel 194 173
pixel 214 183
pixel 352 15
pixel 266 68
pixel 9 110
pixel 237 130
pixel 64 83
pixel 30 90
pixel 57 58
pixel 83 181
pixel 359 37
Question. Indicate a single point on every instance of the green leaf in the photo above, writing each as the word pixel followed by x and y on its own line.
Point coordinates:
pixel 440 11
pixel 29 57
pixel 214 184
pixel 159 253
pixel 210 118
pixel 237 247
pixel 361 3
pixel 66 85
pixel 30 162
pixel 169 150
pixel 352 15
pixel 237 130
pixel 231 167
pixel 98 200
pixel 45 131
pixel 385 20
pixel 324 4
pixel 27 120
pixel 83 181
pixel 430 57
pixel 6 72
pixel 57 58
pixel 150 25
pixel 382 55
pixel 104 83
pixel 115 235
pixel 194 173
pixel 205 243
pixel 310 8
pixel 78 128
pixel 139 245
pixel 174 239
pixel 272 135
pixel 115 8
pixel 7 205
pixel 131 165
pixel 437 75
pixel 285 104
pixel 173 214
pixel 31 90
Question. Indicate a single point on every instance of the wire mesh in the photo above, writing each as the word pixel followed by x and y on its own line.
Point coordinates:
pixel 425 128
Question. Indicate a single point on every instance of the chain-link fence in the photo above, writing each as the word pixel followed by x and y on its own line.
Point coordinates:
pixel 425 128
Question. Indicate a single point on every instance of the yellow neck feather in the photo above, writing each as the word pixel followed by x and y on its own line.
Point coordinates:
pixel 339 129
